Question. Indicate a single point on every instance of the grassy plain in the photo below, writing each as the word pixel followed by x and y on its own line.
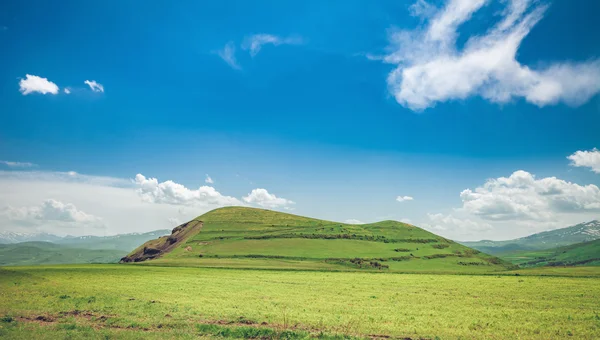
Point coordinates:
pixel 151 302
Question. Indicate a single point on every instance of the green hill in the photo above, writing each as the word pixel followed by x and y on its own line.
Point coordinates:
pixel 587 253
pixel 582 232
pixel 29 253
pixel 240 237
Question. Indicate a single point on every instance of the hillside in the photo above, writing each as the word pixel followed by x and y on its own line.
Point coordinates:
pixel 29 253
pixel 240 237
pixel 580 254
pixel 579 233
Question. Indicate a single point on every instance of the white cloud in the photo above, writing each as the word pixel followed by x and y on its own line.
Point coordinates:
pixel 114 199
pixel 263 198
pixel 18 164
pixel 255 42
pixel 209 180
pixel 51 210
pixel 588 159
pixel 404 198
pixel 67 91
pixel 228 55
pixel 523 197
pixel 431 69
pixel 450 223
pixel 169 192
pixel 94 86
pixel 353 221
pixel 33 84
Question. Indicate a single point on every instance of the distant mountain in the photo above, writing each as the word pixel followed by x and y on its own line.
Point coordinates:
pixel 7 237
pixel 580 254
pixel 30 253
pixel 583 232
pixel 126 242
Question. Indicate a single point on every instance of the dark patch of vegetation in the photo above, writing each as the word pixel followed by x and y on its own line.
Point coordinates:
pixel 359 263
pixel 464 263
pixel 438 256
pixel 7 319
pixel 245 332
pixel 344 237
pixel 441 245
pixel 402 250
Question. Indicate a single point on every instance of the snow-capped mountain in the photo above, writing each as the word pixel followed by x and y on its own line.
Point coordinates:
pixel 125 242
pixel 15 237
pixel 583 232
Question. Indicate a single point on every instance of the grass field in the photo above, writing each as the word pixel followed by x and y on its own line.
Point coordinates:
pixel 151 302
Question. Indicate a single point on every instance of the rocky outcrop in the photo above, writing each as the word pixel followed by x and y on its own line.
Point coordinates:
pixel 156 248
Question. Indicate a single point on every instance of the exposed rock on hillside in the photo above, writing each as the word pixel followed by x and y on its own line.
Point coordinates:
pixel 155 248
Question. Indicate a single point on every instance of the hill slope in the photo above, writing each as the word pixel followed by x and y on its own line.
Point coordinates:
pixel 256 238
pixel 587 253
pixel 582 232
pixel 29 253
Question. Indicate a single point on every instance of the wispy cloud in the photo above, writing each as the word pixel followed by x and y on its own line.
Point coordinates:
pixel 228 55
pixel 255 42
pixel 404 198
pixel 18 164
pixel 208 180
pixel 431 69
pixel 37 84
pixel 94 86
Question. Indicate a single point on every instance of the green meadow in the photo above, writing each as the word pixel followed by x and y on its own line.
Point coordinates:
pixel 152 302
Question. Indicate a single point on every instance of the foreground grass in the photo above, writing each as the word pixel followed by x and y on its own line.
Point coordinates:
pixel 120 301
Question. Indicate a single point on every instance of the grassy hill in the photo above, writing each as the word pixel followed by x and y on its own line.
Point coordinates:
pixel 581 254
pixel 579 233
pixel 239 237
pixel 28 253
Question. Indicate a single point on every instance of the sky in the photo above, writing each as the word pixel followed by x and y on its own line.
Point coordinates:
pixel 474 119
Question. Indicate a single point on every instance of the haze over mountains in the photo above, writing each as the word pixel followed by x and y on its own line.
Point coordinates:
pixel 43 248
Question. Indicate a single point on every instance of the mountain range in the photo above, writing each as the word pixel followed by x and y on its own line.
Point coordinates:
pixel 43 248
pixel 583 232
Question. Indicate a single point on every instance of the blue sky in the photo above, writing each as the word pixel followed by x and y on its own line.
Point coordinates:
pixel 340 107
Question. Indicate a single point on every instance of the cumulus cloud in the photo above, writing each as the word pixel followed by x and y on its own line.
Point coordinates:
pixel 255 42
pixel 523 197
pixel 430 68
pixel 169 192
pixel 441 222
pixel 228 55
pixel 18 164
pixel 589 159
pixel 209 180
pixel 263 198
pixel 94 86
pixel 404 198
pixel 51 210
pixel 37 84
pixel 353 221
